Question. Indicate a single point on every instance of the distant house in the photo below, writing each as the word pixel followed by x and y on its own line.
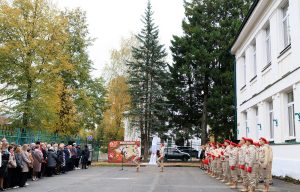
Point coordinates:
pixel 131 132
pixel 267 52
pixel 4 120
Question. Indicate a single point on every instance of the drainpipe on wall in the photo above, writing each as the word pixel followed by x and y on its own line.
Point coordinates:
pixel 235 100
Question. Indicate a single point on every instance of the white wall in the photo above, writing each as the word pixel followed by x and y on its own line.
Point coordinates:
pixel 286 161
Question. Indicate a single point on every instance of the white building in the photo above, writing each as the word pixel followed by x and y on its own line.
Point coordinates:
pixel 267 52
pixel 131 132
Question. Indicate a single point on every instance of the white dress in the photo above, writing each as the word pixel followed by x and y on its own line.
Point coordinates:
pixel 154 148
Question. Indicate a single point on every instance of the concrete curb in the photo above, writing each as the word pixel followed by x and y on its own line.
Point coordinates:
pixel 106 164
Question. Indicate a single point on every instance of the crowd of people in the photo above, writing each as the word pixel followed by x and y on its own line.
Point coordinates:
pixel 247 162
pixel 37 160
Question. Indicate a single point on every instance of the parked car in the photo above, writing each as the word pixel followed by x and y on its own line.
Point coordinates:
pixel 174 153
pixel 191 151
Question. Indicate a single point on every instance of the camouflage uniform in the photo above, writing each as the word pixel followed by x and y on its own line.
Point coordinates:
pixel 251 161
pixel 219 163
pixel 265 162
pixel 227 175
pixel 233 159
pixel 223 163
pixel 214 161
pixel 241 154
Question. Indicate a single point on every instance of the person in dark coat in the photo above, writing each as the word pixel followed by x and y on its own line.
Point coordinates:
pixel 19 161
pixel 11 173
pixel 85 157
pixel 73 151
pixel 202 156
pixel 67 157
pixel 4 162
pixel 51 161
pixel 61 158
pixel 78 157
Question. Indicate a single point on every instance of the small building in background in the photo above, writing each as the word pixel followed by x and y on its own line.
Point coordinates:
pixel 131 131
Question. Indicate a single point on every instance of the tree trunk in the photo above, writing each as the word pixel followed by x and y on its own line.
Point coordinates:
pixel 26 114
pixel 204 112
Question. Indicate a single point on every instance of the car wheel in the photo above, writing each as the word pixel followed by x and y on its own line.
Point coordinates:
pixel 185 159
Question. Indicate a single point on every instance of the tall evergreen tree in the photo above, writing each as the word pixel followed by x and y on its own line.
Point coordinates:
pixel 146 74
pixel 221 102
pixel 203 64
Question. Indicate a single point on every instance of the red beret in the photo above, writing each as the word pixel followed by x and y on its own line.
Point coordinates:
pixel 227 141
pixel 244 138
pixel 239 145
pixel 250 140
pixel 264 139
pixel 233 144
pixel 256 144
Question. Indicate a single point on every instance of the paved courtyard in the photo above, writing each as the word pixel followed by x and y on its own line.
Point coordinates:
pixel 112 179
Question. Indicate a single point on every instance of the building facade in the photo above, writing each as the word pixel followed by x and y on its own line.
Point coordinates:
pixel 267 69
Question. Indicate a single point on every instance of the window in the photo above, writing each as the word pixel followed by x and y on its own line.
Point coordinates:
pixel 254 61
pixel 286 26
pixel 268 44
pixel 244 71
pixel 246 125
pixel 256 122
pixel 271 119
pixel 291 116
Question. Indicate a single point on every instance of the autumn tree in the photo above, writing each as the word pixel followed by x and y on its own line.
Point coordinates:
pixel 31 60
pixel 118 101
pixel 119 57
pixel 118 97
pixel 45 68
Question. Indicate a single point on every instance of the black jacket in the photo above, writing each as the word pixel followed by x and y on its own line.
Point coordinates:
pixel 52 158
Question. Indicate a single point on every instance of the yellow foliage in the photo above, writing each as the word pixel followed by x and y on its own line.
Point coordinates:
pixel 118 100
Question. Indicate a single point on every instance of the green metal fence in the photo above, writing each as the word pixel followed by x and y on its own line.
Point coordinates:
pixel 22 136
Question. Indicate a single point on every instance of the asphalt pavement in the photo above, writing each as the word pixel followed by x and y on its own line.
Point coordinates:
pixel 149 179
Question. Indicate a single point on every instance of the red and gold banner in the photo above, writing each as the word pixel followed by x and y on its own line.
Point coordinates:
pixel 122 149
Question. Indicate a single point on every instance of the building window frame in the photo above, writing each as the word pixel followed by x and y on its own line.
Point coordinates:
pixel 291 115
pixel 268 45
pixel 254 61
pixel 244 72
pixel 286 25
pixel 256 121
pixel 271 121
pixel 246 124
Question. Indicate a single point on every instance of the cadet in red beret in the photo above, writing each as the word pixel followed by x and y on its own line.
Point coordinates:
pixel 251 166
pixel 227 175
pixel 233 160
pixel 265 162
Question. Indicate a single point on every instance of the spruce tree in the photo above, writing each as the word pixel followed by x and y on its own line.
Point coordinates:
pixel 146 75
pixel 203 65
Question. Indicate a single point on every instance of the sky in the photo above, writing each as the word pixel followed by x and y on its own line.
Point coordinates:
pixel 111 20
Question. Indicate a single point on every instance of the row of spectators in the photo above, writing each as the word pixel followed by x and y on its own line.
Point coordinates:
pixel 37 160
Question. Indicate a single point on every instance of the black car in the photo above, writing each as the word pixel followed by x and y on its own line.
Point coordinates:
pixel 174 153
pixel 191 151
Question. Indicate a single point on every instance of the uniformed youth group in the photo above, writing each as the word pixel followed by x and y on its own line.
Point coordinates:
pixel 246 162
